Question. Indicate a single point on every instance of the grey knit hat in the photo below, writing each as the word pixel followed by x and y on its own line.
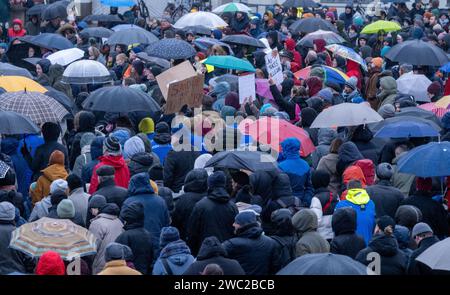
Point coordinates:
pixel 66 209
pixel 7 211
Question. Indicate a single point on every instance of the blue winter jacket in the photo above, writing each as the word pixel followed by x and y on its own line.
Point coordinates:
pixel 297 169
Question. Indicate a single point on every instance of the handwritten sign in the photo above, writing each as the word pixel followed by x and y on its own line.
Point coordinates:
pixel 185 92
pixel 273 66
pixel 247 88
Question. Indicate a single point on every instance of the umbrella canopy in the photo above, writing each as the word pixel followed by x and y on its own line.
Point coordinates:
pixel 66 56
pixel 273 131
pixel 418 53
pixel 346 114
pixel 444 102
pixel 14 123
pixel 200 18
pixel 347 53
pixel 7 69
pixel 36 9
pixel 118 3
pixel 233 80
pixel 38 107
pixel 163 63
pixel 419 113
pixel 171 49
pixel 232 7
pixel 301 3
pixel 122 27
pixel 32 60
pixel 445 68
pixel 62 98
pixel 245 160
pixel 60 235
pixel 381 25
pixel 436 256
pixel 324 264
pixel 198 30
pixel 120 99
pixel 18 83
pixel 131 36
pixel 431 106
pixel 229 62
pixel 331 74
pixel 403 129
pixel 205 43
pixel 54 10
pixel 406 120
pixel 311 24
pixel 50 41
pixel 98 32
pixel 85 72
pixel 329 37
pixel 434 158
pixel 243 40
pixel 104 18
pixel 415 85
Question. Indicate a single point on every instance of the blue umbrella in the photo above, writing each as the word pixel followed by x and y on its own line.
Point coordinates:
pixel 445 68
pixel 430 160
pixel 403 129
pixel 118 3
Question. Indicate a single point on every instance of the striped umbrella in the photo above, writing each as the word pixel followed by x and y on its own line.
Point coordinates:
pixel 444 102
pixel 331 74
pixel 38 107
pixel 432 107
pixel 347 53
pixel 60 235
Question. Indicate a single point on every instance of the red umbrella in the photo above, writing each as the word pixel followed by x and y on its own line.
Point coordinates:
pixel 273 131
pixel 431 106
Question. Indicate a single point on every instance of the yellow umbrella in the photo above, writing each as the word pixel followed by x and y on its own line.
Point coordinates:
pixel 444 102
pixel 18 83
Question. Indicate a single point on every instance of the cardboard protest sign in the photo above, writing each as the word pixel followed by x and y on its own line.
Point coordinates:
pixel 247 88
pixel 177 73
pixel 273 65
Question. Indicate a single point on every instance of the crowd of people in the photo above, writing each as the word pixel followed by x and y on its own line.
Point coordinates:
pixel 156 210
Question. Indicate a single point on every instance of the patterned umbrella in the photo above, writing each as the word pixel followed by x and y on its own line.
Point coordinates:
pixel 432 107
pixel 328 36
pixel 171 49
pixel 131 36
pixel 18 83
pixel 38 107
pixel 60 235
pixel 7 69
pixel 331 74
pixel 347 53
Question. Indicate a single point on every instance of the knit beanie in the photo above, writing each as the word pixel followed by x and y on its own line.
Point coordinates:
pixel 378 62
pixel 112 144
pixel 168 234
pixel 7 211
pixel 387 111
pixel 245 217
pixel 147 126
pixel 66 209
pixel 384 171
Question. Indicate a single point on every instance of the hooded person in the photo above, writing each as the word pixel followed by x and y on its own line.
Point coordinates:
pixel 310 241
pixel 220 91
pixel 84 122
pixel 194 189
pixel 55 170
pixel 161 142
pixel 42 68
pixel 324 137
pixel 175 257
pixel 16 30
pixel 50 263
pixel 255 27
pixel 254 251
pixel 85 155
pixel 212 215
pixel 112 156
pixel 388 87
pixel 55 74
pixel 136 237
pixel 362 137
pixel 96 151
pixel 314 85
pixel 347 15
pixel 115 258
pixel 284 235
pixel 319 47
pixel 348 154
pixel 240 23
pixel 289 45
pixel 147 126
pixel 346 241
pixel 297 169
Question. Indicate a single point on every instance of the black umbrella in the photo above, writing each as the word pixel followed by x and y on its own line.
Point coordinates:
pixel 246 160
pixel 55 10
pixel 14 123
pixel 104 18
pixel 418 53
pixel 120 99
pixel 163 63
pixel 17 51
pixel 419 113
pixel 50 41
pixel 243 40
pixel 324 264
pixel 132 36
pixel 98 32
pixel 171 49
pixel 311 24
pixel 198 30
pixel 62 98
pixel 300 3
pixel 7 69
pixel 36 9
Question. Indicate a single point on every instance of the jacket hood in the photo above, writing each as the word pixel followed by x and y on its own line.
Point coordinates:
pixel 133 146
pixel 326 136
pixel 133 214
pixel 55 73
pixel 305 221
pixel 281 187
pixel 50 263
pixel 401 233
pixel 211 247
pixel 320 44
pixel 54 172
pixel 290 44
pixel 140 184
pixel 143 159
pixel 116 161
pixel 110 209
pixel 384 245
pixel 177 252
pixel 9 145
pixel 349 152
pixel 162 138
pixel 354 172
pixel 291 147
pixel 344 221
pixel 388 84
pixel 357 196
pixel 196 181
pixel 309 114
pixel 85 121
pixel 219 194
pixel 362 134
pixel 250 231
pixel 221 90
pixel 97 147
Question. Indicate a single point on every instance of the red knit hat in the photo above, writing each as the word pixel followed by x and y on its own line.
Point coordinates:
pixel 51 263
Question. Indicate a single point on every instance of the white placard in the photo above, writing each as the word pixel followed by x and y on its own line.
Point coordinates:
pixel 274 69
pixel 247 88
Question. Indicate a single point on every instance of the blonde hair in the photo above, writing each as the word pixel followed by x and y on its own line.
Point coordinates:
pixel 95 51
pixel 122 56
pixel 218 50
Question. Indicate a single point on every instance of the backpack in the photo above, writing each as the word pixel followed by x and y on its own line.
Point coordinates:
pixel 286 250
pixel 368 169
pixel 294 208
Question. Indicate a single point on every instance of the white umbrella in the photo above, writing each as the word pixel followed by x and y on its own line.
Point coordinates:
pixel 436 257
pixel 232 7
pixel 346 114
pixel 66 56
pixel 415 85
pixel 86 72
pixel 201 18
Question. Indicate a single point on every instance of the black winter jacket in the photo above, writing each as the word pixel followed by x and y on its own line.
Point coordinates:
pixel 387 198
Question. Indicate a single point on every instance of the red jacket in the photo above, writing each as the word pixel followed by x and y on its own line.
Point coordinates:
pixel 121 175
pixel 353 70
pixel 290 46
pixel 14 34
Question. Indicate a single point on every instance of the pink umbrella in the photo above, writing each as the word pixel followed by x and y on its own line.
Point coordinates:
pixel 431 106
pixel 263 88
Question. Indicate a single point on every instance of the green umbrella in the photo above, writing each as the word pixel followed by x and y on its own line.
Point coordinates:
pixel 232 7
pixel 229 62
pixel 381 25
